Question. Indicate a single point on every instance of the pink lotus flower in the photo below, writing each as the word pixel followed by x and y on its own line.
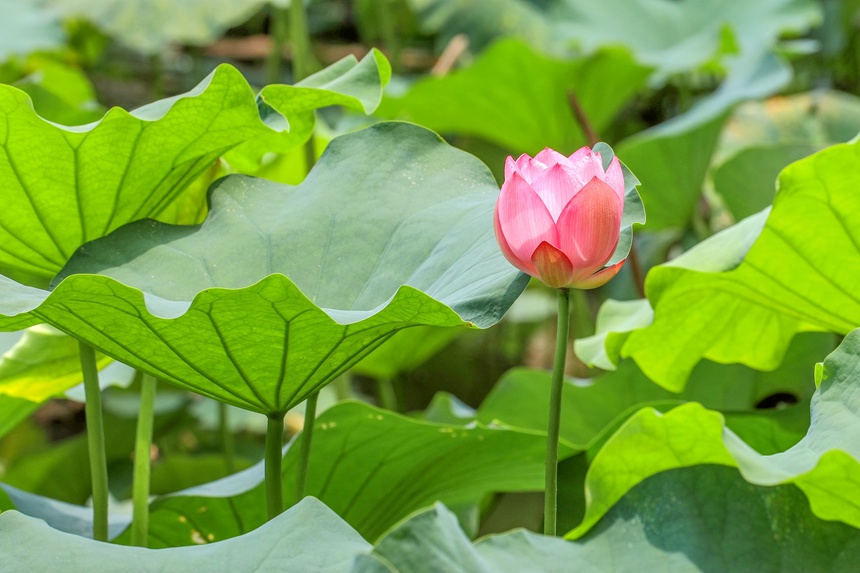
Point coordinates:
pixel 559 218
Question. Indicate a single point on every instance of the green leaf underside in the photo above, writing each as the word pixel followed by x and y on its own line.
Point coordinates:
pixel 371 467
pixel 798 275
pixel 527 108
pixel 308 538
pixel 128 166
pixel 825 464
pixel 417 250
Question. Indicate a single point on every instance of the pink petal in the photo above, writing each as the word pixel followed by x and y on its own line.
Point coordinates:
pixel 556 187
pixel 523 219
pixel 529 168
pixel 586 167
pixel 599 278
pixel 510 167
pixel 579 154
pixel 525 266
pixel 553 267
pixel 589 225
pixel 550 157
pixel 615 178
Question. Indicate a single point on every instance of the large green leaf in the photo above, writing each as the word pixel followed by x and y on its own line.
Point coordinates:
pixel 672 158
pixel 518 99
pixel 825 464
pixel 211 308
pixel 308 538
pixel 133 165
pixel 370 466
pixel 151 27
pixel 683 35
pixel 720 302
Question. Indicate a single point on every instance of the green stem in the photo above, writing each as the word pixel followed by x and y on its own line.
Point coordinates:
pixel 227 440
pixel 142 465
pixel 388 27
pixel 157 70
pixel 274 457
pixel 301 41
pixel 386 394
pixel 95 442
pixel 278 34
pixel 551 496
pixel 305 450
pixel 302 62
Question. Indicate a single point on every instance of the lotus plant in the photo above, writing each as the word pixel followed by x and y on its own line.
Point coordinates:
pixel 559 219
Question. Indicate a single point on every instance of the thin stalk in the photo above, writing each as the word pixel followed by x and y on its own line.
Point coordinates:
pixel 95 442
pixel 302 63
pixel 278 34
pixel 386 394
pixel 274 457
pixel 227 440
pixel 301 41
pixel 551 495
pixel 582 119
pixel 305 450
pixel 157 70
pixel 142 464
pixel 636 269
pixel 388 28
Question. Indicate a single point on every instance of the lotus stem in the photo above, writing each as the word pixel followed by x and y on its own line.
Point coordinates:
pixel 386 394
pixel 274 458
pixel 278 34
pixel 142 462
pixel 95 442
pixel 305 449
pixel 302 62
pixel 388 28
pixel 551 495
pixel 301 41
pixel 227 440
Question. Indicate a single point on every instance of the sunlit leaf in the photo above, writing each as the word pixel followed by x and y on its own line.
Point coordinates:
pixel 825 464
pixel 133 165
pixel 743 294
